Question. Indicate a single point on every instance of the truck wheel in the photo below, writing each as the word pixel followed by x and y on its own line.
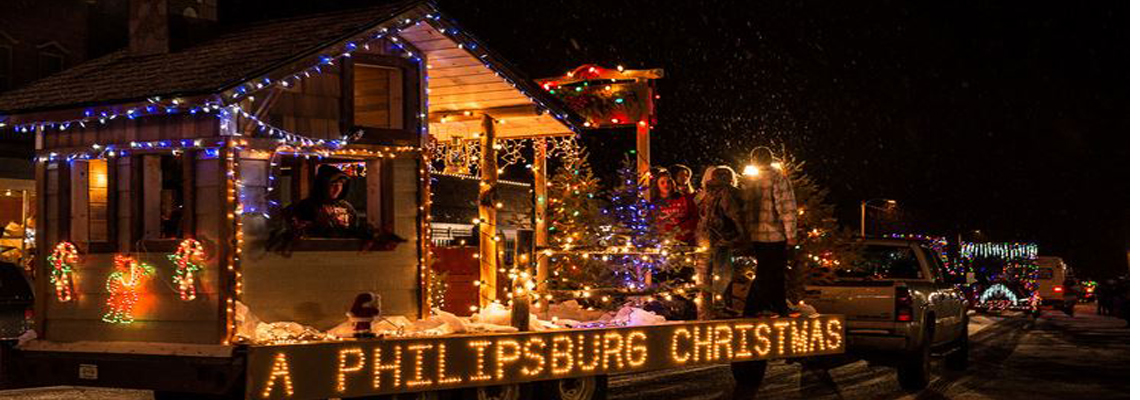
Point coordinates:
pixel 584 388
pixel 959 358
pixel 914 370
pixel 503 392
pixel 438 395
pixel 749 373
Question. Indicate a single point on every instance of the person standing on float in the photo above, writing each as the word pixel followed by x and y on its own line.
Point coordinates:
pixel 770 210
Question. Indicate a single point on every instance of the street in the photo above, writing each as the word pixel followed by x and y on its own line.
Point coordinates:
pixel 1011 357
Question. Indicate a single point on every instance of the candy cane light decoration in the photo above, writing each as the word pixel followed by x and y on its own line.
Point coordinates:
pixel 62 260
pixel 188 259
pixel 124 285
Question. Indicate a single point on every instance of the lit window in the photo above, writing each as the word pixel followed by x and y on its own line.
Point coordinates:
pixel 97 200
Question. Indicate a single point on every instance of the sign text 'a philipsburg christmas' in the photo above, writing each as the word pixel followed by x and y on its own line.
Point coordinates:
pixel 382 366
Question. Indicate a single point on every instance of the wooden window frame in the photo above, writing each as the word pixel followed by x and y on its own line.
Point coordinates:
pixel 409 135
pixel 379 210
pixel 139 204
pixel 77 191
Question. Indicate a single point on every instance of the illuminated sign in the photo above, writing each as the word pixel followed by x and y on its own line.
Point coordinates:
pixel 384 366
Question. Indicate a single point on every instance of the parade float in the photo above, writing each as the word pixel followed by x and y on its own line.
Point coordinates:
pixel 169 189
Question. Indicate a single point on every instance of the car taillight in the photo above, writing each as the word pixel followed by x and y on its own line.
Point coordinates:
pixel 1058 289
pixel 903 302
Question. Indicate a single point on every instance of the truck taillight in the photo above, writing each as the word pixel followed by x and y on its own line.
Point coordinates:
pixel 1058 289
pixel 904 312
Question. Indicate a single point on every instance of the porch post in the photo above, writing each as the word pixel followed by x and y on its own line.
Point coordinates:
pixel 643 158
pixel 542 263
pixel 488 246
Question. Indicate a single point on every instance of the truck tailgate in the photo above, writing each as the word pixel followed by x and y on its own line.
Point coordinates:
pixel 863 300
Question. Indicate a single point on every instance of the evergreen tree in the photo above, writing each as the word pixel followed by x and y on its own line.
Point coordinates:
pixel 574 222
pixel 573 211
pixel 650 252
pixel 615 243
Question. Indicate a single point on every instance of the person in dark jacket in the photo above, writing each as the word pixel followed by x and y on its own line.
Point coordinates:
pixel 326 214
pixel 721 229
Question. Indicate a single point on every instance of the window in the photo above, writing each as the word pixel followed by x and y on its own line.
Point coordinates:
pixel 884 262
pixel 377 100
pixel 50 63
pixel 161 196
pixel 366 189
pixel 81 200
pixel 296 181
pixel 381 99
pixel 172 200
pixel 97 201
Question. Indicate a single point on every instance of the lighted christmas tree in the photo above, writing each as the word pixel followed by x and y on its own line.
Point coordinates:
pixel 609 249
pixel 574 223
pixel 573 211
pixel 650 251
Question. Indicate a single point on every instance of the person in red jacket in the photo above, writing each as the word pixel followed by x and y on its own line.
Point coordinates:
pixel 676 212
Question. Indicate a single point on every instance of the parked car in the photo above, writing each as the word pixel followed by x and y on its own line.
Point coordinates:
pixel 901 308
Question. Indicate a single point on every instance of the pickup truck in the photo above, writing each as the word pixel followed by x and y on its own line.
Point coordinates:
pixel 900 306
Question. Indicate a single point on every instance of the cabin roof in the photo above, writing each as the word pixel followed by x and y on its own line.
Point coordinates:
pixel 462 82
pixel 208 67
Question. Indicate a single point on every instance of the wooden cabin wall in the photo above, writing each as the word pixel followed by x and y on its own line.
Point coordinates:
pixel 124 130
pixel 316 288
pixel 311 107
pixel 160 314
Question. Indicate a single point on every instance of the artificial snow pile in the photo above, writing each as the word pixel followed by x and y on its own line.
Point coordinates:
pixel 251 329
pixel 493 319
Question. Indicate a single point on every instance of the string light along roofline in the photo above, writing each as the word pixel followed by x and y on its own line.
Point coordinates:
pixel 324 58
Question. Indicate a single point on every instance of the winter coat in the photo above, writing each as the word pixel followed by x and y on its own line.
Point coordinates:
pixel 722 215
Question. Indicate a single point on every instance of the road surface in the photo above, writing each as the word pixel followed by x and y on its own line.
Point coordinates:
pixel 1011 357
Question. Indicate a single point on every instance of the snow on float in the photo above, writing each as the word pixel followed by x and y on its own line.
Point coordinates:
pixel 183 215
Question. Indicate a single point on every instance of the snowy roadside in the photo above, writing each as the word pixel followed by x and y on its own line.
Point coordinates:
pixel 74 392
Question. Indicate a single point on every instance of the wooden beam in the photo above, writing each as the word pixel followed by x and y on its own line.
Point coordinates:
pixel 488 246
pixel 606 73
pixel 527 110
pixel 645 177
pixel 542 263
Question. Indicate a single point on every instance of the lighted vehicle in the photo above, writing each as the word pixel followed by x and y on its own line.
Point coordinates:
pixel 901 309
pixel 1052 272
pixel 162 202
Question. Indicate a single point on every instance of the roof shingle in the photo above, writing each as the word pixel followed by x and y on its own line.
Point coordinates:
pixel 228 59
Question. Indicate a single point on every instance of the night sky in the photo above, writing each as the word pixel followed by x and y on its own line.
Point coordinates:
pixel 1008 117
